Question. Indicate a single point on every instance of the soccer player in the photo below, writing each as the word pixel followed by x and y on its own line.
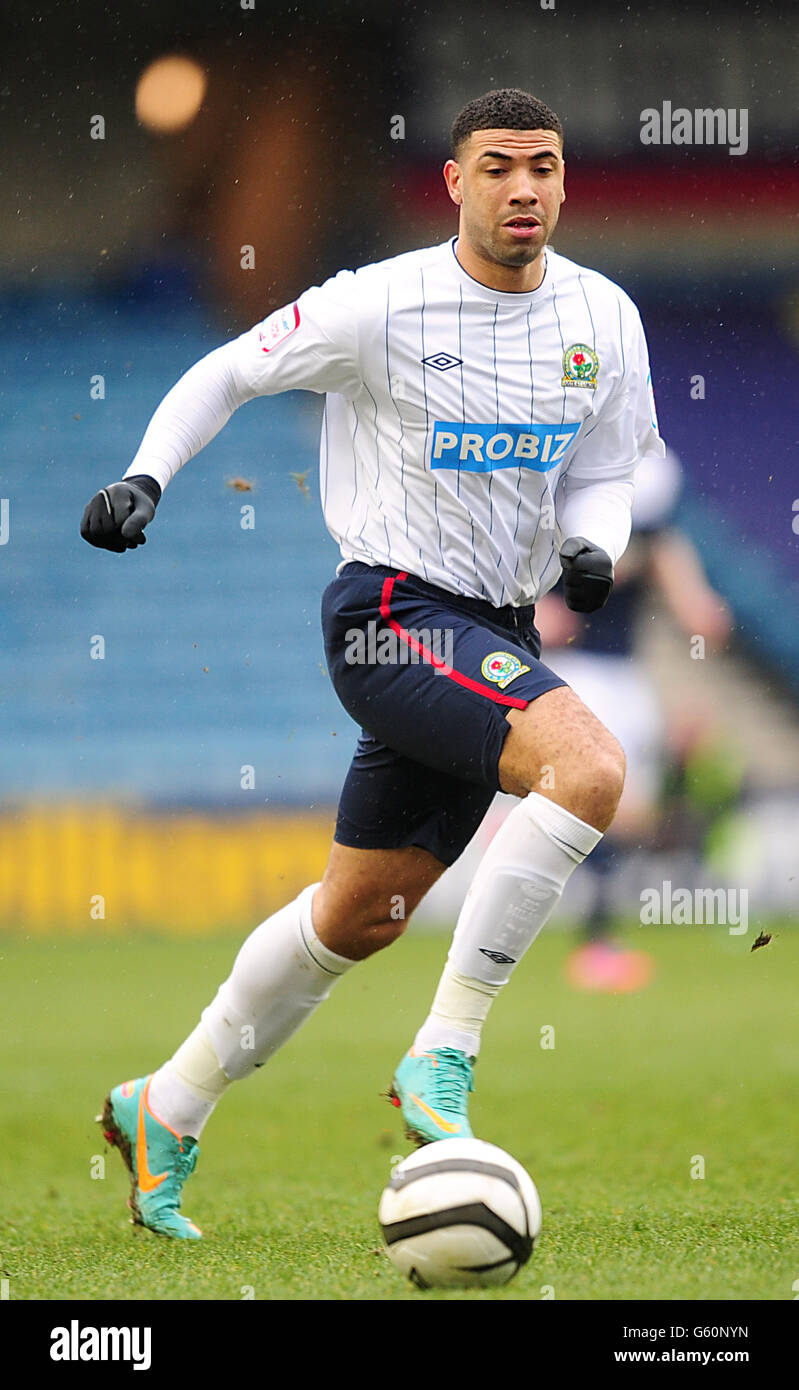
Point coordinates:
pixel 487 403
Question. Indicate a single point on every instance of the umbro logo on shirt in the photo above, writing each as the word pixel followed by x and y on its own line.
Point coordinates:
pixel 442 361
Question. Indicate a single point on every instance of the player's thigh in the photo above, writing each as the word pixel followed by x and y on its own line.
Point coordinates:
pixel 369 887
pixel 558 747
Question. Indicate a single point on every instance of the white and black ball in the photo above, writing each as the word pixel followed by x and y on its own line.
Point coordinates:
pixel 460 1213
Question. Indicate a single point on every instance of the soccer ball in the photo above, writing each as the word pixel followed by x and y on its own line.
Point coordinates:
pixel 460 1213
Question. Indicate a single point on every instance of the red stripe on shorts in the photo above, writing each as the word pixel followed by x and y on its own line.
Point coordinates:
pixel 416 646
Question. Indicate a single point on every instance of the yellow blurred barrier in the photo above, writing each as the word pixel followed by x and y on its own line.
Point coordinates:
pixel 78 868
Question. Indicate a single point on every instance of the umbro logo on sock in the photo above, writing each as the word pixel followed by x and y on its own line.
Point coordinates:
pixel 498 957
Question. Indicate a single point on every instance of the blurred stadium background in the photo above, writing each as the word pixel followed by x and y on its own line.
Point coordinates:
pixel 188 776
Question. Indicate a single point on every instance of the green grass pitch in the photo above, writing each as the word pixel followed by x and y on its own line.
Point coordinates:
pixel 705 1061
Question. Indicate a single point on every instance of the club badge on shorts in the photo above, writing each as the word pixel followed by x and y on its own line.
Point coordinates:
pixel 580 366
pixel 501 668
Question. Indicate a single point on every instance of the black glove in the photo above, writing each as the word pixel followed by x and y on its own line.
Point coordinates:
pixel 587 575
pixel 115 518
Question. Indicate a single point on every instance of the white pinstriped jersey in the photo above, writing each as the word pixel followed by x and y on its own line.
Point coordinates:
pixel 457 418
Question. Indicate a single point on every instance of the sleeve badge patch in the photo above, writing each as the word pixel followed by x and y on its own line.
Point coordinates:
pixel 279 326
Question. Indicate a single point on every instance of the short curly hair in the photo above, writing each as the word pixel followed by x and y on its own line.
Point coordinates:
pixel 507 108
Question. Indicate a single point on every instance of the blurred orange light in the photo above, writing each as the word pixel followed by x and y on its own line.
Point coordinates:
pixel 170 93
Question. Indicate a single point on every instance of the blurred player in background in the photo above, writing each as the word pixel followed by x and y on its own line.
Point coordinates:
pixel 598 657
pixel 487 403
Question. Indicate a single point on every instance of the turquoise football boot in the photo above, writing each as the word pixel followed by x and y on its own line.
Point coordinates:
pixel 432 1090
pixel 158 1159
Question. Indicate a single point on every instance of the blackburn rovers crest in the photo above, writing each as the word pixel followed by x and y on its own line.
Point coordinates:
pixel 501 668
pixel 580 366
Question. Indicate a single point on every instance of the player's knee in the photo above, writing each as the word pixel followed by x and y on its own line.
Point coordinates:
pixel 607 775
pixel 374 935
pixel 597 783
pixel 589 785
pixel 360 937
pixel 356 928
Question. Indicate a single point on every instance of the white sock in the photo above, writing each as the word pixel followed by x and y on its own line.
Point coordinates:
pixel 517 884
pixel 184 1091
pixel 458 1013
pixel 280 975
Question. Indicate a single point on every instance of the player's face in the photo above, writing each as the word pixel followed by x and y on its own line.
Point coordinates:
pixel 509 187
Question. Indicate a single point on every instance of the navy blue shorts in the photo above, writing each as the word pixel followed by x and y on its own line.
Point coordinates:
pixel 430 676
